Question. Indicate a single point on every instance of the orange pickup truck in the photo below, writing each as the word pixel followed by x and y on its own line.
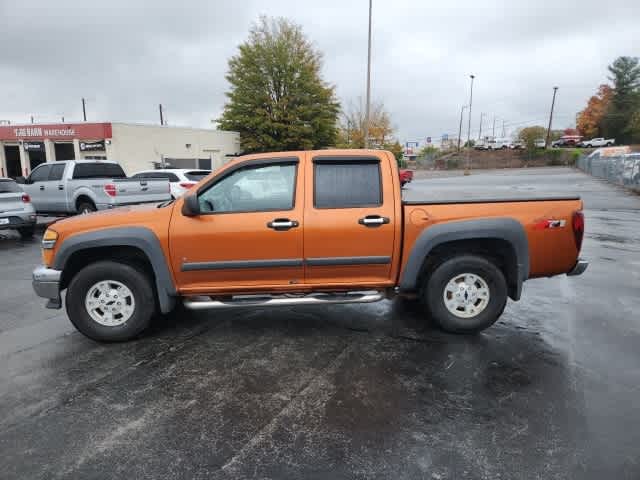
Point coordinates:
pixel 296 228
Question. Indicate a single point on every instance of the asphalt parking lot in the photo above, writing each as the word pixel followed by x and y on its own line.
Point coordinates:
pixel 357 391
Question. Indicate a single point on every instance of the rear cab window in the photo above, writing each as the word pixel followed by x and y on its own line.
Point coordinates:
pixel 98 170
pixel 9 186
pixel 196 175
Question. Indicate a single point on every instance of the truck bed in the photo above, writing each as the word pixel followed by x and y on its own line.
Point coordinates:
pixel 552 250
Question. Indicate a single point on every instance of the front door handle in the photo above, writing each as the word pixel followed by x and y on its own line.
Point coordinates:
pixel 41 187
pixel 60 187
pixel 373 221
pixel 281 224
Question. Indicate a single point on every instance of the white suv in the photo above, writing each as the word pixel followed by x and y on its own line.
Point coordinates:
pixel 180 180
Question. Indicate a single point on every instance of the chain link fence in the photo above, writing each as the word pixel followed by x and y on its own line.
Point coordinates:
pixel 621 169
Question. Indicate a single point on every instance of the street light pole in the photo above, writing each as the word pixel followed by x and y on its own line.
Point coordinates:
pixel 368 106
pixel 460 128
pixel 480 132
pixel 553 102
pixel 493 131
pixel 84 110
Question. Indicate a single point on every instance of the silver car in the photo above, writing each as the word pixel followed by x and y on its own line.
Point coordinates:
pixel 16 210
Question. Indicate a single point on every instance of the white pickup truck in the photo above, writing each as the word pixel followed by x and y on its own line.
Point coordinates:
pixel 84 186
pixel 598 142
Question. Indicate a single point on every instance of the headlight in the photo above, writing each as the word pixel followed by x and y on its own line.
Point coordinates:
pixel 49 239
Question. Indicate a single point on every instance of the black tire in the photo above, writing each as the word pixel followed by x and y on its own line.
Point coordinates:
pixel 135 280
pixel 434 287
pixel 26 232
pixel 85 207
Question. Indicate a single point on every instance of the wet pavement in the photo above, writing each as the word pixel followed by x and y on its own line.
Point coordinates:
pixel 358 391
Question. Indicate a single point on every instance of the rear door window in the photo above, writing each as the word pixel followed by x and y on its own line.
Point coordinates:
pixel 347 183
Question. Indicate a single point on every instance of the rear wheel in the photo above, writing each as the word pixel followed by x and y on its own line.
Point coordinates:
pixel 85 207
pixel 109 301
pixel 26 232
pixel 465 294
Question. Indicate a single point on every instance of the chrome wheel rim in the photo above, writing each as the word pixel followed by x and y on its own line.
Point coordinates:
pixel 466 295
pixel 110 303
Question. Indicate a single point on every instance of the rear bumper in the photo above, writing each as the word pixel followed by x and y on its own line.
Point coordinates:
pixel 46 284
pixel 579 268
pixel 18 220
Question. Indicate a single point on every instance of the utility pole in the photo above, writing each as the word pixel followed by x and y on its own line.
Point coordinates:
pixel 480 132
pixel 161 115
pixel 469 127
pixel 504 132
pixel 460 128
pixel 368 106
pixel 31 118
pixel 63 119
pixel 493 131
pixel 84 110
pixel 553 102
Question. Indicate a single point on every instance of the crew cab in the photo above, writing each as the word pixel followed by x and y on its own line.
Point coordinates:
pixel 84 186
pixel 305 228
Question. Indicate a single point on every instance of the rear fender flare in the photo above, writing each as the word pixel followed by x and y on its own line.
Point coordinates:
pixel 507 229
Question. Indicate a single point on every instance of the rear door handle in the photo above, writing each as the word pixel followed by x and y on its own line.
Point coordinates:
pixel 60 187
pixel 281 224
pixel 373 221
pixel 41 187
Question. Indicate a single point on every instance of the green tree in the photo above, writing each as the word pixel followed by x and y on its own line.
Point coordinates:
pixel 625 77
pixel 277 99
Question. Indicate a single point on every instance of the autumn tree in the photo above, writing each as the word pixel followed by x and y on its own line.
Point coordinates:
pixel 529 135
pixel 277 99
pixel 589 121
pixel 351 127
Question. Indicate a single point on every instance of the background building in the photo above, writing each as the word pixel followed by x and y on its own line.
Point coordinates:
pixel 134 146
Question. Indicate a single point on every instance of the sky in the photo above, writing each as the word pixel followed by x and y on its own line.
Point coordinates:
pixel 126 57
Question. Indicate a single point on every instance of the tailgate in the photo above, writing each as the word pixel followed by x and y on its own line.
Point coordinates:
pixel 141 191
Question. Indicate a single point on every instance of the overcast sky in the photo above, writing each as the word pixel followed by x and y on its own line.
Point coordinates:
pixel 125 57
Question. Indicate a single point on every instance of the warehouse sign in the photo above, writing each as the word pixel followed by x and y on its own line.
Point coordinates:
pixel 43 132
pixel 59 131
pixel 92 146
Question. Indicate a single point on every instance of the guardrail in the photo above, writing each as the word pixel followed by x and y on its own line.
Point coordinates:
pixel 617 169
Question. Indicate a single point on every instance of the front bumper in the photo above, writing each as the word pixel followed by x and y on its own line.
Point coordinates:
pixel 46 284
pixel 579 268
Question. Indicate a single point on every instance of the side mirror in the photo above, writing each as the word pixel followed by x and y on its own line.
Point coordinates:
pixel 191 206
pixel 21 180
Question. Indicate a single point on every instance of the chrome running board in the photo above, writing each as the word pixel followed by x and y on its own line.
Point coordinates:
pixel 205 303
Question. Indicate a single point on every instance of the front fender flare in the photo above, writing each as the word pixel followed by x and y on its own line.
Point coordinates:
pixel 139 237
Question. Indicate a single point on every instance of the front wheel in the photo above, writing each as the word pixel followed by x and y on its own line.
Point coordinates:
pixel 110 302
pixel 465 294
